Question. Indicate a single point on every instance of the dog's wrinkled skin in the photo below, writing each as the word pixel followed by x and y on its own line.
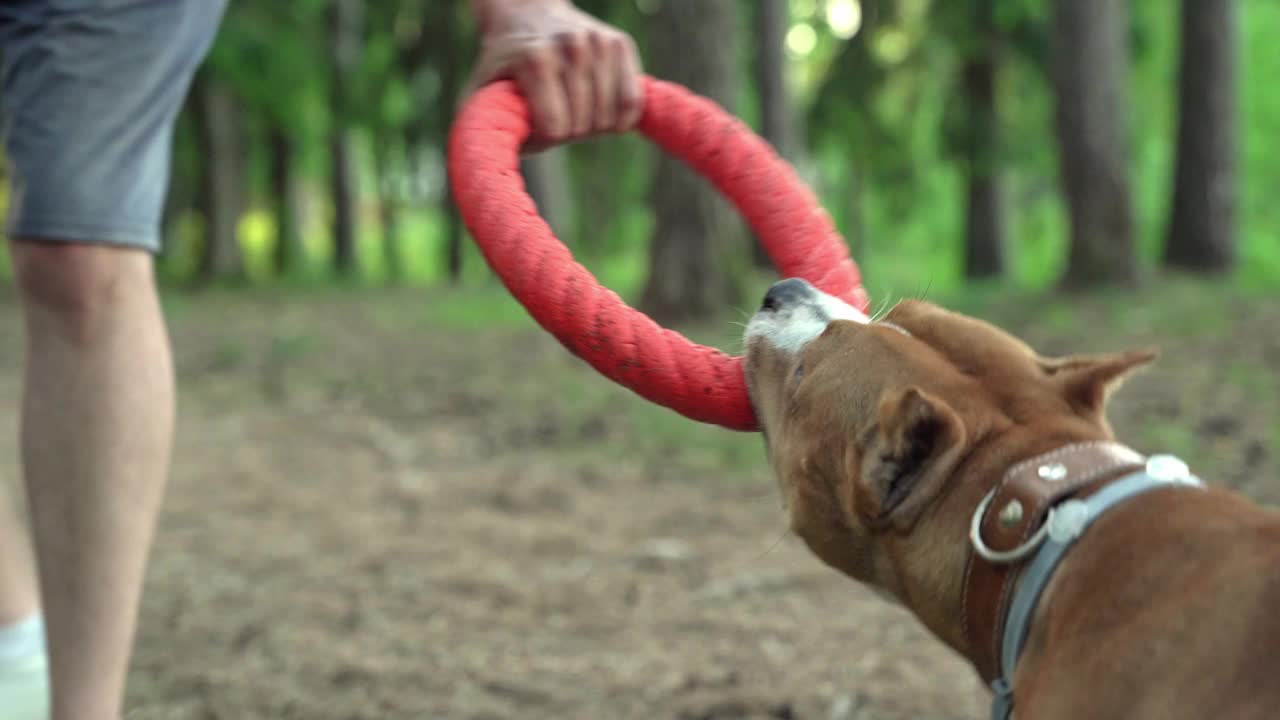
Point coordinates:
pixel 884 437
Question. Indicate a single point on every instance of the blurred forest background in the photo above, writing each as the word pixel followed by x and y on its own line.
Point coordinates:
pixel 1024 143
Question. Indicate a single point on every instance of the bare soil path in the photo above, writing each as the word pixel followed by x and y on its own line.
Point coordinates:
pixel 376 515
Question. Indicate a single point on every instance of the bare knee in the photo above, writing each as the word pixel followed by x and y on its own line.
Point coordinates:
pixel 77 286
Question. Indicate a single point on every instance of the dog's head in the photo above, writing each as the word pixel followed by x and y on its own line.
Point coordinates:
pixel 868 424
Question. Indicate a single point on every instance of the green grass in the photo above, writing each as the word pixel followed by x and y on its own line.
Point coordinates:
pixel 650 431
pixel 1166 314
pixel 482 345
pixel 1172 435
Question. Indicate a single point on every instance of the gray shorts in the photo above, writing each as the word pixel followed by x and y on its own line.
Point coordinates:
pixel 89 91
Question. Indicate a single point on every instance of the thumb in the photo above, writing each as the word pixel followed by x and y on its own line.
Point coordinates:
pixel 493 64
pixel 490 68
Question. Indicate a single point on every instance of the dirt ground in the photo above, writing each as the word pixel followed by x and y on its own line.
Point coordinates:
pixel 375 516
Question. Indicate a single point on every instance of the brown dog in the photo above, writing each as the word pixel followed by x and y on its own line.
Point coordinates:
pixel 936 458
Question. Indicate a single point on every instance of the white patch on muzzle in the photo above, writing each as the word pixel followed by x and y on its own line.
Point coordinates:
pixel 791 327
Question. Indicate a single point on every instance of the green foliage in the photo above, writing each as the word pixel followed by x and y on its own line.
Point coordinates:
pixel 1260 157
pixel 274 71
pixel 882 122
pixel 895 114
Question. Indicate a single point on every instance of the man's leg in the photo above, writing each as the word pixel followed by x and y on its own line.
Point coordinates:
pixel 97 421
pixel 90 89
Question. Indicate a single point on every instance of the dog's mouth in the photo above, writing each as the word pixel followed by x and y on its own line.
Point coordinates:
pixel 793 314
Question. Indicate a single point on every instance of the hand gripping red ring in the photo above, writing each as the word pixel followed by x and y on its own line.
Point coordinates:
pixel 626 346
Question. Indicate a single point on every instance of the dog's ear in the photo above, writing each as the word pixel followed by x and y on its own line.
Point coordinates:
pixel 906 458
pixel 1087 381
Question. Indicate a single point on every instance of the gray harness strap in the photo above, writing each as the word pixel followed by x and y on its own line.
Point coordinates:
pixel 1066 522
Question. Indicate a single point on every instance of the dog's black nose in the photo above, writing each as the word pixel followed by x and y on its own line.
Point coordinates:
pixel 787 292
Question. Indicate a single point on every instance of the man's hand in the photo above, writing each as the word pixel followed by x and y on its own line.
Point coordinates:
pixel 580 76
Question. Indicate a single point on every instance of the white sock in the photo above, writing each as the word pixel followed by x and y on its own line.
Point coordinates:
pixel 22 639
pixel 24 671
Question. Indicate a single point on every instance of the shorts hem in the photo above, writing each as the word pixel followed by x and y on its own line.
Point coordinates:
pixel 85 233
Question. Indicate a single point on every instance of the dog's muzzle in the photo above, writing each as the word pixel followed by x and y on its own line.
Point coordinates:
pixel 794 312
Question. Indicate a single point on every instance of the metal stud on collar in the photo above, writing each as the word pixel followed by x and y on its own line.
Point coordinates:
pixel 1002 557
pixel 1011 514
pixel 1052 472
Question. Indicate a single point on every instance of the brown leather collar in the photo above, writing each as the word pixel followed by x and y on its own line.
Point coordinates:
pixel 1018 507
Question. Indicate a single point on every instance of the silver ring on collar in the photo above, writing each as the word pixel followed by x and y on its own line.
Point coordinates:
pixel 1002 557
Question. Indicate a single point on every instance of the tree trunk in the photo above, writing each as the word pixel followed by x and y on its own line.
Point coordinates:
pixel 343 196
pixel 345 18
pixel 288 249
pixel 452 74
pixel 1090 71
pixel 985 240
pixel 1202 226
pixel 388 215
pixel 184 182
pixel 453 227
pixel 546 179
pixel 695 46
pixel 453 238
pixel 778 121
pixel 221 200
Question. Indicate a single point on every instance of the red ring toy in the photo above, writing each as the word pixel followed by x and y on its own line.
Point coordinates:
pixel 591 321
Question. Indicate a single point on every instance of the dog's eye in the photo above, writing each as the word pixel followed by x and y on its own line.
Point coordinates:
pixel 799 373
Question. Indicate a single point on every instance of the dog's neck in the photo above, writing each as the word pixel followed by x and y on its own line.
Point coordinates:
pixel 1002 536
pixel 966 609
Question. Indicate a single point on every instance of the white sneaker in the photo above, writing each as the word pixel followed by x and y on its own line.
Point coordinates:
pixel 24 688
